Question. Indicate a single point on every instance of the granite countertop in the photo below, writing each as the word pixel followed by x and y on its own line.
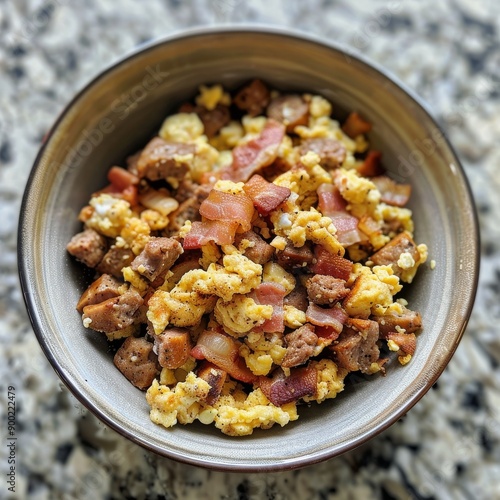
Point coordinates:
pixel 448 445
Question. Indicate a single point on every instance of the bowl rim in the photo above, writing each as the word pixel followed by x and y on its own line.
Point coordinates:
pixel 28 290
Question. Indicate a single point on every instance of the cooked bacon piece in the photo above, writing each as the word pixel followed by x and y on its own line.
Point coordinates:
pixel 265 196
pixel 221 232
pixel 115 313
pixel 137 361
pixel 88 247
pixel 330 151
pixel 213 120
pixel 325 290
pixel 410 321
pixel 256 153
pixel 300 346
pixel 103 288
pixel 333 317
pixel 253 98
pixel 223 351
pixel 292 257
pixel 330 200
pixel 331 264
pixel 115 259
pixel 356 348
pixel 215 377
pixel 407 342
pixel 355 125
pixel 173 347
pixel 390 253
pixel 261 252
pixel 371 164
pixel 391 192
pixel 158 160
pixel 297 298
pixel 270 294
pixel 326 334
pixel 123 184
pixel 122 178
pixel 331 204
pixel 281 390
pixel 291 110
pixel 228 207
pixel 158 256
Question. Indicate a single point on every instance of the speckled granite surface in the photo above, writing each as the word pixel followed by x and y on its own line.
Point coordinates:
pixel 448 446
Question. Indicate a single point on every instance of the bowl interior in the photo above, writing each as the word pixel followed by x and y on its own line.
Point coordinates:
pixel 118 112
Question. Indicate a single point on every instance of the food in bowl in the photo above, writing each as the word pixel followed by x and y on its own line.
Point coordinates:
pixel 249 258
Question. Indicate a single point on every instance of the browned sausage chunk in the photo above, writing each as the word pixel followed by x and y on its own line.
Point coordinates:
pixel 390 253
pixel 408 320
pixel 158 160
pixel 356 348
pixel 300 346
pixel 261 252
pixel 103 288
pixel 293 258
pixel 215 377
pixel 137 361
pixel 158 256
pixel 330 151
pixel 297 298
pixel 325 290
pixel 113 314
pixel 291 110
pixel 174 346
pixel 88 247
pixel 213 120
pixel 253 98
pixel 115 260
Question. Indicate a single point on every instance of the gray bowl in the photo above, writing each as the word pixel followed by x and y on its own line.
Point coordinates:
pixel 117 113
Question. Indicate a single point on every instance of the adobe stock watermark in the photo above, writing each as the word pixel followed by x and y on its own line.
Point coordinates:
pixel 224 8
pixel 36 22
pixel 121 107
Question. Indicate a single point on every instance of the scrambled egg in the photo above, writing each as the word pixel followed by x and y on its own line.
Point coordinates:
pixel 330 380
pixel 109 215
pixel 240 418
pixel 241 314
pixel 180 404
pixel 368 291
pixel 197 291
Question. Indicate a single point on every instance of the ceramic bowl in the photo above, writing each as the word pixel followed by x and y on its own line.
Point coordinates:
pixel 116 113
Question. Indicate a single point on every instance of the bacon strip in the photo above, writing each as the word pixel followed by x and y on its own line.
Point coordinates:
pixel 221 232
pixel 256 153
pixel 331 264
pixel 330 200
pixel 281 390
pixel 333 317
pixel 391 192
pixel 270 294
pixel 331 204
pixel 265 196
pixel 228 207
